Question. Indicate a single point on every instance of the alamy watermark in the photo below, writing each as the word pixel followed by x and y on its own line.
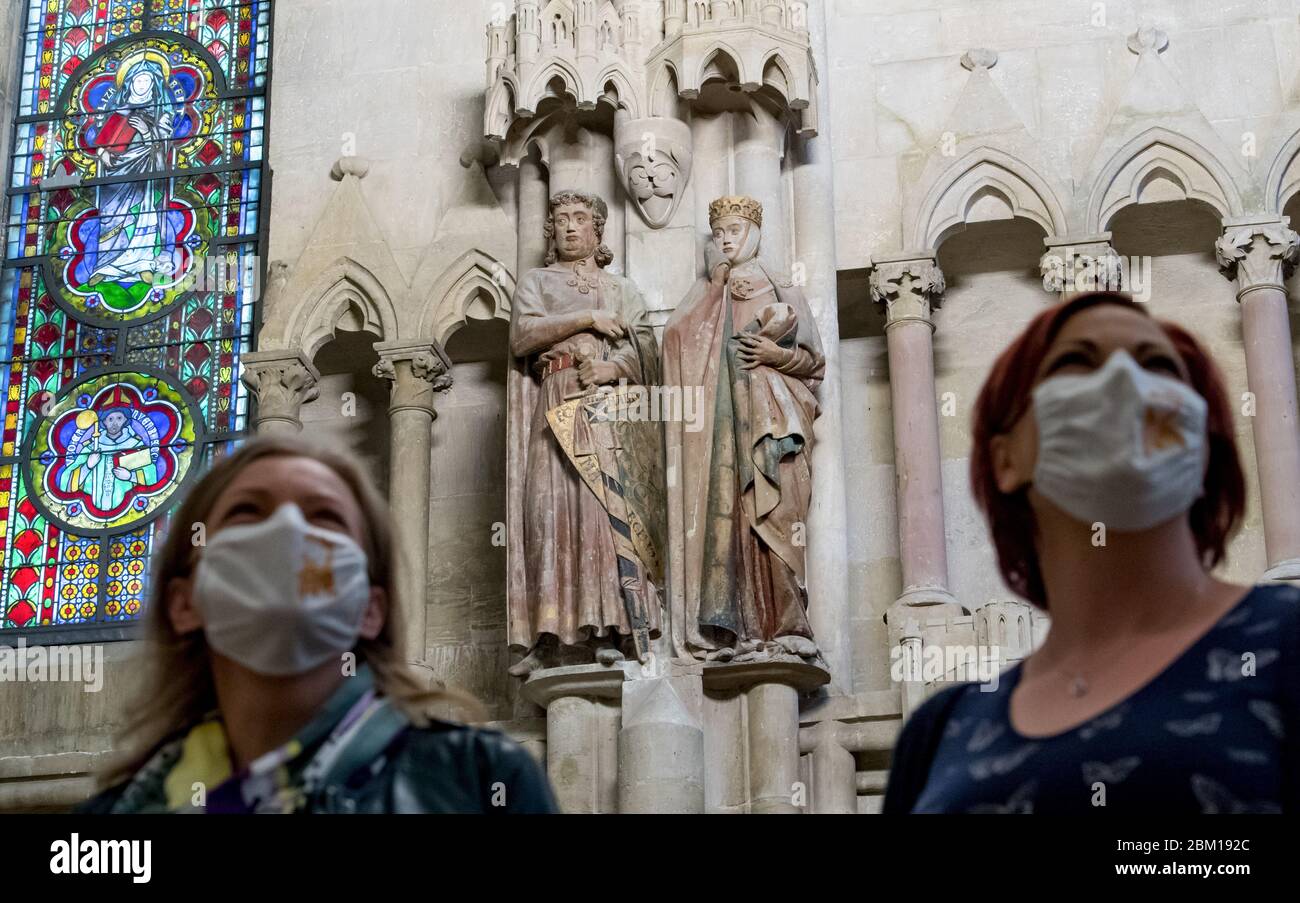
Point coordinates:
pixel 939 663
pixel 629 403
pixel 1069 270
pixel 76 856
pixel 82 664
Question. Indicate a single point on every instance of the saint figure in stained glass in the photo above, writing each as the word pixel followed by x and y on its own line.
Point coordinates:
pixel 133 234
pixel 139 238
pixel 112 453
pixel 113 450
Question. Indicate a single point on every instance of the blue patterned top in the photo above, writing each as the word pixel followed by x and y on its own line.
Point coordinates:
pixel 1206 735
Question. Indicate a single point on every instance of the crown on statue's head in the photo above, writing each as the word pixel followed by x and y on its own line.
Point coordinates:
pixel 744 207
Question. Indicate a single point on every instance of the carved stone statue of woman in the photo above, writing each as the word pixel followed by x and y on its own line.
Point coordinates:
pixel 740 486
pixel 585 484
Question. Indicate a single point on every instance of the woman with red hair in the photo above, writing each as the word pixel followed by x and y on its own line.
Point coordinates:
pixel 1105 463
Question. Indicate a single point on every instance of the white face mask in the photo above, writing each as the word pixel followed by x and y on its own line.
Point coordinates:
pixel 282 596
pixel 1120 446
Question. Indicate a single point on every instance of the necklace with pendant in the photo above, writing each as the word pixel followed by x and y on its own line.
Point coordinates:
pixel 581 281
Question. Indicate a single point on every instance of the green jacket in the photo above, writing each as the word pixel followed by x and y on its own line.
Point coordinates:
pixel 358 755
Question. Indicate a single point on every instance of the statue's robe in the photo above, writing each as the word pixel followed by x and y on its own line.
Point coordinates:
pixel 134 230
pixel 99 482
pixel 738 504
pixel 563 575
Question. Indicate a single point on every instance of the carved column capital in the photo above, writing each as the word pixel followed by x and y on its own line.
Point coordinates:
pixel 1258 253
pixel 910 286
pixel 1081 263
pixel 417 371
pixel 283 381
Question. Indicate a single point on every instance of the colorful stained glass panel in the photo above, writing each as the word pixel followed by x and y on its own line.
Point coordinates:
pixel 131 259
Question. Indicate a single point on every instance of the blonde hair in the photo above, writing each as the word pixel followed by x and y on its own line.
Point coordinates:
pixel 178 689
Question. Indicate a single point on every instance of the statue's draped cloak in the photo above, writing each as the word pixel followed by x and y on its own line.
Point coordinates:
pixel 739 486
pixel 562 568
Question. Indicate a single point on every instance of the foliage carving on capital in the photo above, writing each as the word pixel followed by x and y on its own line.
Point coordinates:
pixel 416 373
pixel 908 289
pixel 1258 255
pixel 281 383
pixel 433 367
pixel 1084 267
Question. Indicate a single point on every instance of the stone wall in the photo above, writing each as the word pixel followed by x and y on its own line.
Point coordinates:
pixel 1063 68
pixel 466 637
pixel 1067 87
pixel 1065 83
pixel 395 82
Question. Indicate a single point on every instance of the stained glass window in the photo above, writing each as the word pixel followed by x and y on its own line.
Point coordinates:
pixel 131 263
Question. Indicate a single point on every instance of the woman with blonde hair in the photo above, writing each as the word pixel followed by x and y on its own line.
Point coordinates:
pixel 278 684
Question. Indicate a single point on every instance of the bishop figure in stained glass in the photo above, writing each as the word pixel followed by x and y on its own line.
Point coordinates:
pixel 111 453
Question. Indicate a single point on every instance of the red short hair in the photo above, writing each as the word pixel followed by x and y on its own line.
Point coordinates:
pixel 1007 394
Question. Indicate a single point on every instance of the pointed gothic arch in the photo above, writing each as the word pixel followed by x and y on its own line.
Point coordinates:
pixel 628 97
pixel 1162 165
pixel 664 90
pixel 348 295
pixel 476 286
pixel 778 74
pixel 975 187
pixel 1283 180
pixel 723 60
pixel 555 68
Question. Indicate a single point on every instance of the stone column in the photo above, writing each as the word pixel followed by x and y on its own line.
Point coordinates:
pixel 1081 263
pixel 830 609
pixel 582 758
pixel 417 371
pixel 1260 253
pixel 674 17
pixel 771 691
pixel 834 771
pixel 530 220
pixel 773 717
pixel 585 35
pixel 910 285
pixel 660 751
pixel 906 634
pixel 759 148
pixel 282 381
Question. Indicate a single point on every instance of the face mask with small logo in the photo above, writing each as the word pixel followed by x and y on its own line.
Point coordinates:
pixel 1121 446
pixel 282 596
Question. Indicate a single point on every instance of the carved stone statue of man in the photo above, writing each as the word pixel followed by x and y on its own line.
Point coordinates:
pixel 585 483
pixel 739 504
